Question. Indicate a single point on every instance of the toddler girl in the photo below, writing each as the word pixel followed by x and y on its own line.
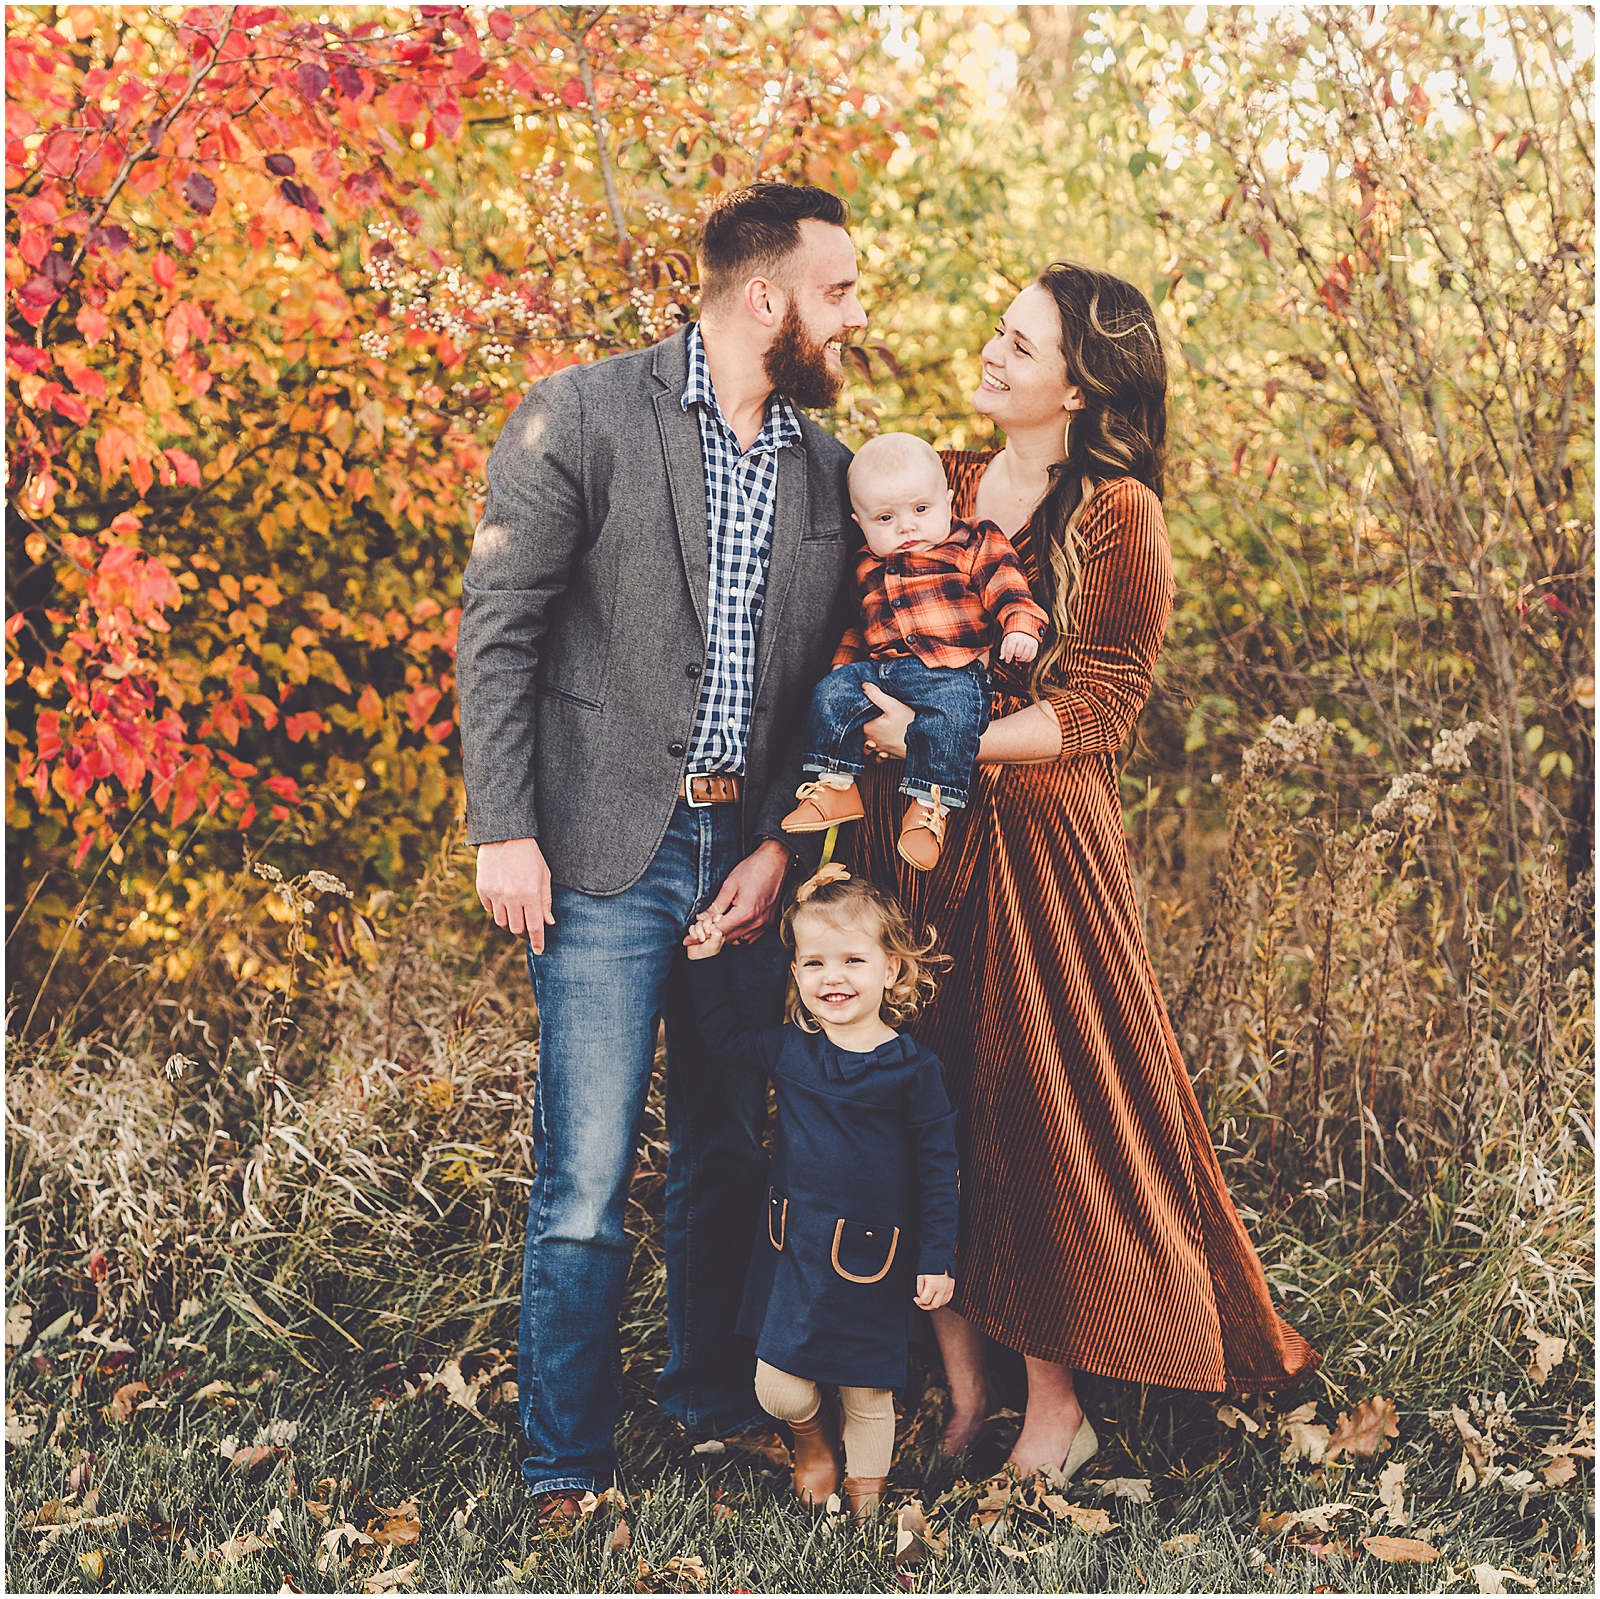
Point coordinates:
pixel 862 1193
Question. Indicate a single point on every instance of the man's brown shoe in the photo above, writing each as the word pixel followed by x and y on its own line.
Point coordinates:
pixel 832 799
pixel 922 833
pixel 818 1456
pixel 558 1508
pixel 863 1495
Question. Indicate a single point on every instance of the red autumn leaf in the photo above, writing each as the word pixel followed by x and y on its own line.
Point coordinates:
pixel 200 192
pixel 302 724
pixel 572 92
pixel 285 788
pixel 447 119
pixel 420 703
pixel 502 25
pixel 313 80
pixel 92 324
pixel 187 468
pixel 164 270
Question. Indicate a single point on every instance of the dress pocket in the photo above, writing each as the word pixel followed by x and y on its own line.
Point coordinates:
pixel 777 1218
pixel 863 1252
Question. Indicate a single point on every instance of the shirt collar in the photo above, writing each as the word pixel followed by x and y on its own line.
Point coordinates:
pixel 782 425
pixel 846 1066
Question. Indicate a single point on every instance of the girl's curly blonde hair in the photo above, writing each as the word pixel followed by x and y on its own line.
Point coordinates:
pixel 838 896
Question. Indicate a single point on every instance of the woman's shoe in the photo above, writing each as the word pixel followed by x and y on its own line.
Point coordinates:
pixel 1084 1445
pixel 863 1495
pixel 818 1457
pixel 833 798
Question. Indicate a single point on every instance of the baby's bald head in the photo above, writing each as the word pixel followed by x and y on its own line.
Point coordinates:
pixel 899 494
pixel 896 454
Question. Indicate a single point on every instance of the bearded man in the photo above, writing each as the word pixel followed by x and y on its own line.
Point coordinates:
pixel 656 584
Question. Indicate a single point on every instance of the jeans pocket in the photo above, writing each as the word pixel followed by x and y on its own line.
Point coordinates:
pixel 863 1252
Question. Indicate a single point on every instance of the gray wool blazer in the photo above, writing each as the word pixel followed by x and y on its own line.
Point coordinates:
pixel 583 619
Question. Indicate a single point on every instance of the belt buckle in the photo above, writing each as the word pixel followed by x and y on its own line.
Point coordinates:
pixel 688 792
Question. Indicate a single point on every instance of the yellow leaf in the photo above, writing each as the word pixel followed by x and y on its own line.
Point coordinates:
pixel 92 1563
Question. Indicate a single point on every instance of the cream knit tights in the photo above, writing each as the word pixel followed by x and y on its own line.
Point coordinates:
pixel 868 1416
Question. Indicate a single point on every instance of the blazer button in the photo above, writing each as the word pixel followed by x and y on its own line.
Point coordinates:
pixel 691 670
pixel 675 748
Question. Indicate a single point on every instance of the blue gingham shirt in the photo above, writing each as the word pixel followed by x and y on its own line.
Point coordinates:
pixel 741 499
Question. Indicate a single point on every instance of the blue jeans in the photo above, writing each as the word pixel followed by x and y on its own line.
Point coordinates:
pixel 952 710
pixel 611 968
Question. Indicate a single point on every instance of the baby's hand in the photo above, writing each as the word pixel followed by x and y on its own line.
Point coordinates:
pixel 934 1292
pixel 1018 647
pixel 704 939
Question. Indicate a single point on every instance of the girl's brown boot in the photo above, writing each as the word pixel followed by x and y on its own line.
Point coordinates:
pixel 818 1457
pixel 864 1494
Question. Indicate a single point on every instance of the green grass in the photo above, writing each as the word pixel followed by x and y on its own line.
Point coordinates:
pixel 731 1512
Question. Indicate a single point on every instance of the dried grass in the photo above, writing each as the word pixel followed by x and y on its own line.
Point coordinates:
pixel 1395 1061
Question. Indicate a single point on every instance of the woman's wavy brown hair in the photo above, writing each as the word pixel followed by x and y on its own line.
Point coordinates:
pixel 1113 353
pixel 857 901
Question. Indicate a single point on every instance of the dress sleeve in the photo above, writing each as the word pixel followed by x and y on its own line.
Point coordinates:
pixel 717 1014
pixel 932 1123
pixel 1104 675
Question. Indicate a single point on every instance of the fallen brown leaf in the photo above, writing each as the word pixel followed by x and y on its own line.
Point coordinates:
pixel 233 1550
pixel 1304 1440
pixel 125 1399
pixel 1015 1553
pixel 1317 1519
pixel 1548 1353
pixel 289 1585
pixel 621 1538
pixel 82 1474
pixel 1134 1489
pixel 1401 1550
pixel 1364 1432
pixel 1233 1416
pixel 722 1512
pixel 1493 1579
pixel 1560 1471
pixel 1185 1543
pixel 392 1577
pixel 256 1461
pixel 914 1542
pixel 1093 1522
pixel 1392 1492
pixel 319 1510
pixel 398 1528
pixel 92 1563
pixel 681 1574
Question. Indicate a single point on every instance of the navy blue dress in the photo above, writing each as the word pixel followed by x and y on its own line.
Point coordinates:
pixel 861 1198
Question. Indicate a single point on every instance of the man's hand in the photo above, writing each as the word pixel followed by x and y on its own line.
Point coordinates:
pixel 514 886
pixel 746 902
pixel 886 734
pixel 1018 647
pixel 933 1293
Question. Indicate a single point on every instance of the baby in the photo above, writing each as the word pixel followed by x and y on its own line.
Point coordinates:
pixel 934 593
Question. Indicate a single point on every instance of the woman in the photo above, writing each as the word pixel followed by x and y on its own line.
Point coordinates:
pixel 1096 1231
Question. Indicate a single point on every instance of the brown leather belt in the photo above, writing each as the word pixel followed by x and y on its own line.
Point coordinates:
pixel 711 788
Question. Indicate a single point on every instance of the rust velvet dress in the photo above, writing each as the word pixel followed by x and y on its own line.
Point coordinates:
pixel 1095 1227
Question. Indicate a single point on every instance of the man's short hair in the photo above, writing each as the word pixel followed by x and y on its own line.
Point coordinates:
pixel 751 232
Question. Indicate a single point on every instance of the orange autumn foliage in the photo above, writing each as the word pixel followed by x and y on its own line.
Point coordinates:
pixel 272 288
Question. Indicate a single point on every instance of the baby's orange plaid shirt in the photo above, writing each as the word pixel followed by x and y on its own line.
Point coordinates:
pixel 941 605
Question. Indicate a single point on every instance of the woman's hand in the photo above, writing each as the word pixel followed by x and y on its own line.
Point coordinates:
pixel 886 734
pixel 933 1293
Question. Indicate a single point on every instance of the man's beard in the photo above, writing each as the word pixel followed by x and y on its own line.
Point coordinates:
pixel 797 365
